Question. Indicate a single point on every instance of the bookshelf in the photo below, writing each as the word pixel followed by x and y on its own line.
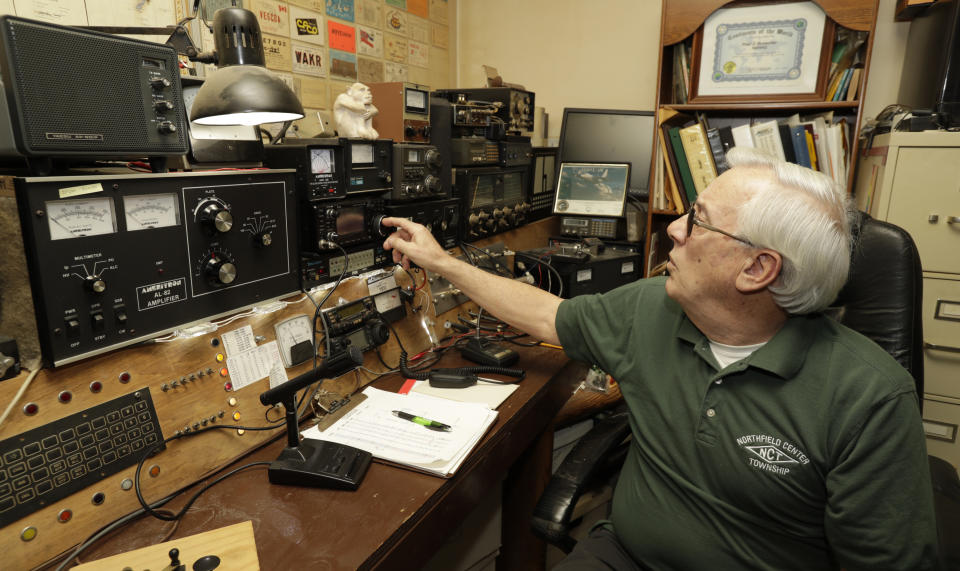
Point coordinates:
pixel 682 39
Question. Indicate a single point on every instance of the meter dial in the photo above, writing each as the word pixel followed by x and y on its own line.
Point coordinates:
pixel 80 217
pixel 321 161
pixel 295 338
pixel 143 211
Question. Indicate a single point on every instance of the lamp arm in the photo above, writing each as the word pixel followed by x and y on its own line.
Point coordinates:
pixel 180 41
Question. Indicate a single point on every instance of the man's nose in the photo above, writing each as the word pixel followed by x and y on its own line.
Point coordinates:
pixel 677 230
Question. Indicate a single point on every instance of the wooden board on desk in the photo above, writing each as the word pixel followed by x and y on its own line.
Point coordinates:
pixel 233 544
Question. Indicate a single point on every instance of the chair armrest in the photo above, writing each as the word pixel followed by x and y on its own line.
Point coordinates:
pixel 946 503
pixel 590 456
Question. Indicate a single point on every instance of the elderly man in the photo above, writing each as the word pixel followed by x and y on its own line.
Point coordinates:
pixel 765 435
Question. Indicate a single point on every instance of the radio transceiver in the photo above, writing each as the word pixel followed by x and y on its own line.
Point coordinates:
pixel 416 172
pixel 403 111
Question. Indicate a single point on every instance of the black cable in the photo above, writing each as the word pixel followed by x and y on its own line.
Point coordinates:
pixel 281 133
pixel 542 262
pixel 150 451
pixel 493 260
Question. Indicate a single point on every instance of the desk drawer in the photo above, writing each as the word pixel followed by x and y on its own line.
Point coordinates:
pixel 941 334
pixel 941 419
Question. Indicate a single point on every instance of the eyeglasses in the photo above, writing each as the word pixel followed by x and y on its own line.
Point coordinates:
pixel 692 221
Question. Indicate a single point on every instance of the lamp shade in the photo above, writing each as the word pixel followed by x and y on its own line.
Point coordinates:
pixel 242 91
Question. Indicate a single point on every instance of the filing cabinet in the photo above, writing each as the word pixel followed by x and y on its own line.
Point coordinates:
pixel 913 180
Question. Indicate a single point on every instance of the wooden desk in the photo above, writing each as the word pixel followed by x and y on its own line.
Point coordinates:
pixel 397 518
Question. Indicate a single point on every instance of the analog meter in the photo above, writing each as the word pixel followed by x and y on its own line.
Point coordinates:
pixel 295 338
pixel 78 217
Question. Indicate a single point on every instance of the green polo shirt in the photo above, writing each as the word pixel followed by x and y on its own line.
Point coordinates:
pixel 808 454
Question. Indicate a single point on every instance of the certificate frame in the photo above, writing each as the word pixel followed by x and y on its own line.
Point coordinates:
pixel 768 52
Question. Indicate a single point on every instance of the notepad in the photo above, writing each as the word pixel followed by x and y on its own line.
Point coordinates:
pixel 373 427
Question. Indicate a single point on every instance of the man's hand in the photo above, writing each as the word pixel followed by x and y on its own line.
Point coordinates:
pixel 412 242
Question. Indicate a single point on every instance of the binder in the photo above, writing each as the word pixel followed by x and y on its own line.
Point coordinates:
pixel 689 188
pixel 699 157
pixel 798 138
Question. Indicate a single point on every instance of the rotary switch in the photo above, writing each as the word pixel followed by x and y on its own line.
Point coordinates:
pixel 95 284
pixel 219 269
pixel 432 184
pixel 432 159
pixel 215 217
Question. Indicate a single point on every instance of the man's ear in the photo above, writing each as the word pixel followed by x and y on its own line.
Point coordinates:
pixel 760 271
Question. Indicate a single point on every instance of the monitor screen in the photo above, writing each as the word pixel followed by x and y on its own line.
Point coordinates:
pixel 592 189
pixel 610 136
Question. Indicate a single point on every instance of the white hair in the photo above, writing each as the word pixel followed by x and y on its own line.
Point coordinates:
pixel 805 216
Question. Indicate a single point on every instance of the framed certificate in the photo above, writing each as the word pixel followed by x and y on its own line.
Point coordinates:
pixel 774 52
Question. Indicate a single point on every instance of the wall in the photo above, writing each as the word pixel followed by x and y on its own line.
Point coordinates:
pixel 571 54
pixel 375 40
pixel 604 54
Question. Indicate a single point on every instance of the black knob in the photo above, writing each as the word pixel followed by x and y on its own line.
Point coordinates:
pixel 432 159
pixel 379 332
pixel 410 131
pixel 163 106
pixel 432 183
pixel 216 217
pixel 160 83
pixel 166 127
pixel 95 284
pixel 220 270
pixel 380 229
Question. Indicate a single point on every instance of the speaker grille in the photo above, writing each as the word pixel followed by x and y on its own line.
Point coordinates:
pixel 82 83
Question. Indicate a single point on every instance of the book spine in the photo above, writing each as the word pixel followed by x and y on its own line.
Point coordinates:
pixel 798 138
pixel 682 166
pixel 716 148
pixel 699 158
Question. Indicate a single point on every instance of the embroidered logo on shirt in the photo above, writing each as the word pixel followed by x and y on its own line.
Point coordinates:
pixel 770 453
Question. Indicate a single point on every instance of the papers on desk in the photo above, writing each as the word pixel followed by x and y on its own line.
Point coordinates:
pixel 373 427
pixel 490 394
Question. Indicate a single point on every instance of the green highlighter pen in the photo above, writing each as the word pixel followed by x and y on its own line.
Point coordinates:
pixel 425 422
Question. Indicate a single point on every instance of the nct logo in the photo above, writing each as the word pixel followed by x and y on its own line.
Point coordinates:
pixel 771 454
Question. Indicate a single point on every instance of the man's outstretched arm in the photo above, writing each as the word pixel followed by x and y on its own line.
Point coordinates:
pixel 528 308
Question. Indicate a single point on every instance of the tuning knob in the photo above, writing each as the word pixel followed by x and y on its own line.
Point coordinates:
pixel 163 106
pixel 95 284
pixel 220 270
pixel 160 83
pixel 216 217
pixel 379 332
pixel 432 184
pixel 432 159
pixel 166 127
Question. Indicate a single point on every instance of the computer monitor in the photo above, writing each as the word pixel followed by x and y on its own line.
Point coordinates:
pixel 610 136
pixel 592 189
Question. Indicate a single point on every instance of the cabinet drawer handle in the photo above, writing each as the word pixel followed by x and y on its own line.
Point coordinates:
pixel 953 219
pixel 936 347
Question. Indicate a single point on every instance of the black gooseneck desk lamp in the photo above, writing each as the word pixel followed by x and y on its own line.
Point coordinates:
pixel 311 462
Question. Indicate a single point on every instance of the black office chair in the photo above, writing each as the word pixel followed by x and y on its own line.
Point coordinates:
pixel 882 299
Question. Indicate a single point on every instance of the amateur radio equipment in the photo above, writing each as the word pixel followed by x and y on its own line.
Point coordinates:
pixel 368 165
pixel 473 151
pixel 319 163
pixel 441 217
pixel 543 190
pixel 516 153
pixel 354 225
pixel 118 259
pixel 416 173
pixel 511 107
pixel 355 324
pixel 451 115
pixel 404 111
pixel 584 272
pixel 52 107
pixel 492 200
pixel 598 227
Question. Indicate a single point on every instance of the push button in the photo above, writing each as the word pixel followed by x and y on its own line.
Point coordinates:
pixel 73 327
pixel 96 321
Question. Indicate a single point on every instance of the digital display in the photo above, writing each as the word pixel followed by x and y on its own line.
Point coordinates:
pixel 416 100
pixel 592 189
pixel 350 310
pixel 350 222
pixel 414 156
pixel 362 153
pixel 321 161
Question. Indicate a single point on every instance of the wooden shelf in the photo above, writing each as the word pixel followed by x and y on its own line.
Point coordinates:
pixel 682 22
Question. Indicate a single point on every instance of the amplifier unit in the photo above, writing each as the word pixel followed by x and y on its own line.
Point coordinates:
pixel 319 163
pixel 367 165
pixel 473 151
pixel 492 200
pixel 118 259
pixel 514 107
pixel 416 173
pixel 441 217
pixel 55 106
pixel 403 111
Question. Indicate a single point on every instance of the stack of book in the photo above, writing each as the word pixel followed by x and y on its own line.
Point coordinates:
pixel 846 66
pixel 694 152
